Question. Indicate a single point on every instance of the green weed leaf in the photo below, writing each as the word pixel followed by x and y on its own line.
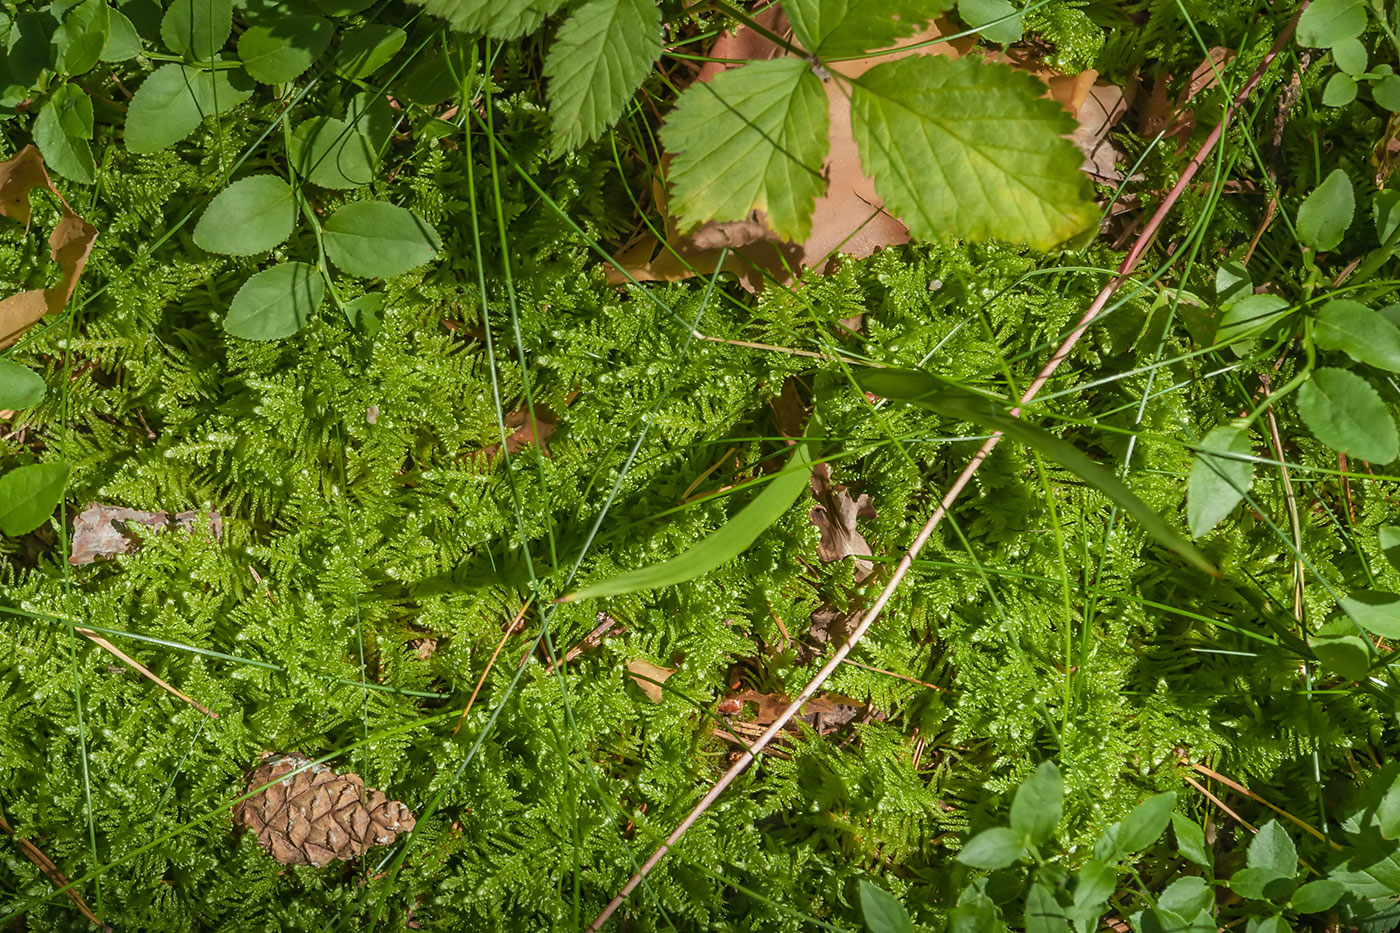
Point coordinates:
pixel 20 386
pixel 275 302
pixel 1386 92
pixel 62 131
pixel 881 911
pixel 599 57
pixel 1190 840
pixel 1389 538
pixel 123 41
pixel 1339 91
pixel 721 546
pixel 1326 213
pixel 1248 316
pixel 1039 803
pixel 1187 896
pixel 1345 413
pixel 1376 611
pixel 82 37
pixel 365 50
pixel 500 19
pixel 1043 913
pixel 197 28
pixel 1350 56
pixel 973 150
pixel 329 152
pixel 1328 22
pixel 993 848
pixel 838 28
pixel 1359 332
pixel 29 494
pixel 1385 210
pixel 752 138
pixel 1388 811
pixel 1217 483
pixel 1261 883
pixel 378 240
pixel 1232 282
pixel 1273 848
pixel 252 215
pixel 1316 896
pixel 1145 824
pixel 175 99
pixel 977 13
pixel 280 50
pixel 1340 650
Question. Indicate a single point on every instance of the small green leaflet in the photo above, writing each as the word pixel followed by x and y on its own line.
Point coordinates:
pixel 1351 56
pixel 1145 824
pixel 1316 896
pixel 1346 655
pixel 365 50
pixel 1043 913
pixel 1359 332
pixel 1345 413
pixel 29 494
pixel 123 42
pixel 1232 282
pixel 329 152
pixel 278 51
pixel 1217 483
pixel 978 13
pixel 752 138
pixel 1339 91
pixel 175 99
pixel 62 131
pixel 197 28
pixel 83 35
pixel 1190 840
pixel 1385 210
pixel 1039 804
pixel 252 215
pixel 1326 213
pixel 1187 896
pixel 1327 22
pixel 881 911
pixel 499 19
pixel 921 389
pixel 378 240
pixel 1273 848
pixel 1386 92
pixel 275 302
pixel 993 848
pixel 721 546
pixel 1388 536
pixel 842 28
pixel 20 387
pixel 599 57
pixel 1376 611
pixel 960 147
pixel 1249 315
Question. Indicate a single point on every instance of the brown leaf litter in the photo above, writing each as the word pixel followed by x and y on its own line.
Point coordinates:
pixel 315 817
pixel 649 677
pixel 104 531
pixel 826 713
pixel 836 515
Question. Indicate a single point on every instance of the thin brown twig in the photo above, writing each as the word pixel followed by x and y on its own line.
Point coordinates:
pixel 1221 804
pixel 510 630
pixel 955 490
pixel 1292 505
pixel 142 669
pixel 605 626
pixel 46 865
pixel 1214 776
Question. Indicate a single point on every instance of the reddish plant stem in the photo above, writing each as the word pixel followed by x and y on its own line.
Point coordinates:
pixel 1124 270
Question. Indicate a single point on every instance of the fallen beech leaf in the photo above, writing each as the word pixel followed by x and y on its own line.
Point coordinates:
pixel 649 677
pixel 835 515
pixel 69 244
pixel 100 531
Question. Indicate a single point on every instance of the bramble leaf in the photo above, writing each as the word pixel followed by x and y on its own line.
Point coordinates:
pixel 278 51
pixel 1217 483
pixel 20 386
pixel 175 99
pixel 252 215
pixel 973 150
pixel 275 302
pixel 378 240
pixel 29 494
pixel 1326 213
pixel 753 138
pixel 1358 331
pixel 839 28
pixel 598 58
pixel 500 19
pixel 1345 413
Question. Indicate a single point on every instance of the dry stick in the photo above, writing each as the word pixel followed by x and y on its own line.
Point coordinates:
pixel 141 668
pixel 1221 804
pixel 873 613
pixel 1255 797
pixel 46 865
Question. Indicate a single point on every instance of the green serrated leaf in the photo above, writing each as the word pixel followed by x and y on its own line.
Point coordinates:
pixel 1345 413
pixel 175 99
pixel 1359 332
pixel 378 240
pixel 123 41
pixel 753 138
pixel 1326 213
pixel 1145 824
pixel 840 28
pixel 1327 22
pixel 881 911
pixel 275 302
pixel 597 60
pixel 280 50
pixel 1376 611
pixel 993 848
pixel 83 35
pixel 20 386
pixel 29 494
pixel 329 152
pixel 1273 848
pixel 1191 840
pixel 252 215
pixel 500 19
pixel 973 150
pixel 1218 483
pixel 365 50
pixel 721 546
pixel 1039 803
pixel 978 13
pixel 62 131
pixel 197 28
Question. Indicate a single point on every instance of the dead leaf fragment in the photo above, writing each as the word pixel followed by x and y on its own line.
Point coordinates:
pixel 835 515
pixel 102 531
pixel 316 816
pixel 825 713
pixel 649 677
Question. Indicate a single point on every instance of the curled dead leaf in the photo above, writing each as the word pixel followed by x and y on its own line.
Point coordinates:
pixel 836 515
pixel 649 677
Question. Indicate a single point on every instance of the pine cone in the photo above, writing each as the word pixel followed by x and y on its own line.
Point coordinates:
pixel 317 816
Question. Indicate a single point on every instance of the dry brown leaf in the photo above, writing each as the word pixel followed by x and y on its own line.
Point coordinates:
pixel 1177 119
pixel 848 220
pixel 836 515
pixel 649 677
pixel 825 713
pixel 101 531
pixel 829 626
pixel 69 244
pixel 316 816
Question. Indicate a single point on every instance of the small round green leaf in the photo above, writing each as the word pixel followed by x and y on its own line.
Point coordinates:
pixel 1339 91
pixel 1326 213
pixel 275 302
pixel 881 911
pixel 1145 823
pixel 197 28
pixel 330 153
pixel 20 387
pixel 252 215
pixel 1039 803
pixel 365 50
pixel 1350 56
pixel 279 51
pixel 29 494
pixel 1376 611
pixel 1328 22
pixel 175 99
pixel 1345 413
pixel 1218 483
pixel 1359 332
pixel 1387 93
pixel 378 240
pixel 1317 896
pixel 993 848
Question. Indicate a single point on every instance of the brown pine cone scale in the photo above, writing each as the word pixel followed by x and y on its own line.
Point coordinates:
pixel 316 816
